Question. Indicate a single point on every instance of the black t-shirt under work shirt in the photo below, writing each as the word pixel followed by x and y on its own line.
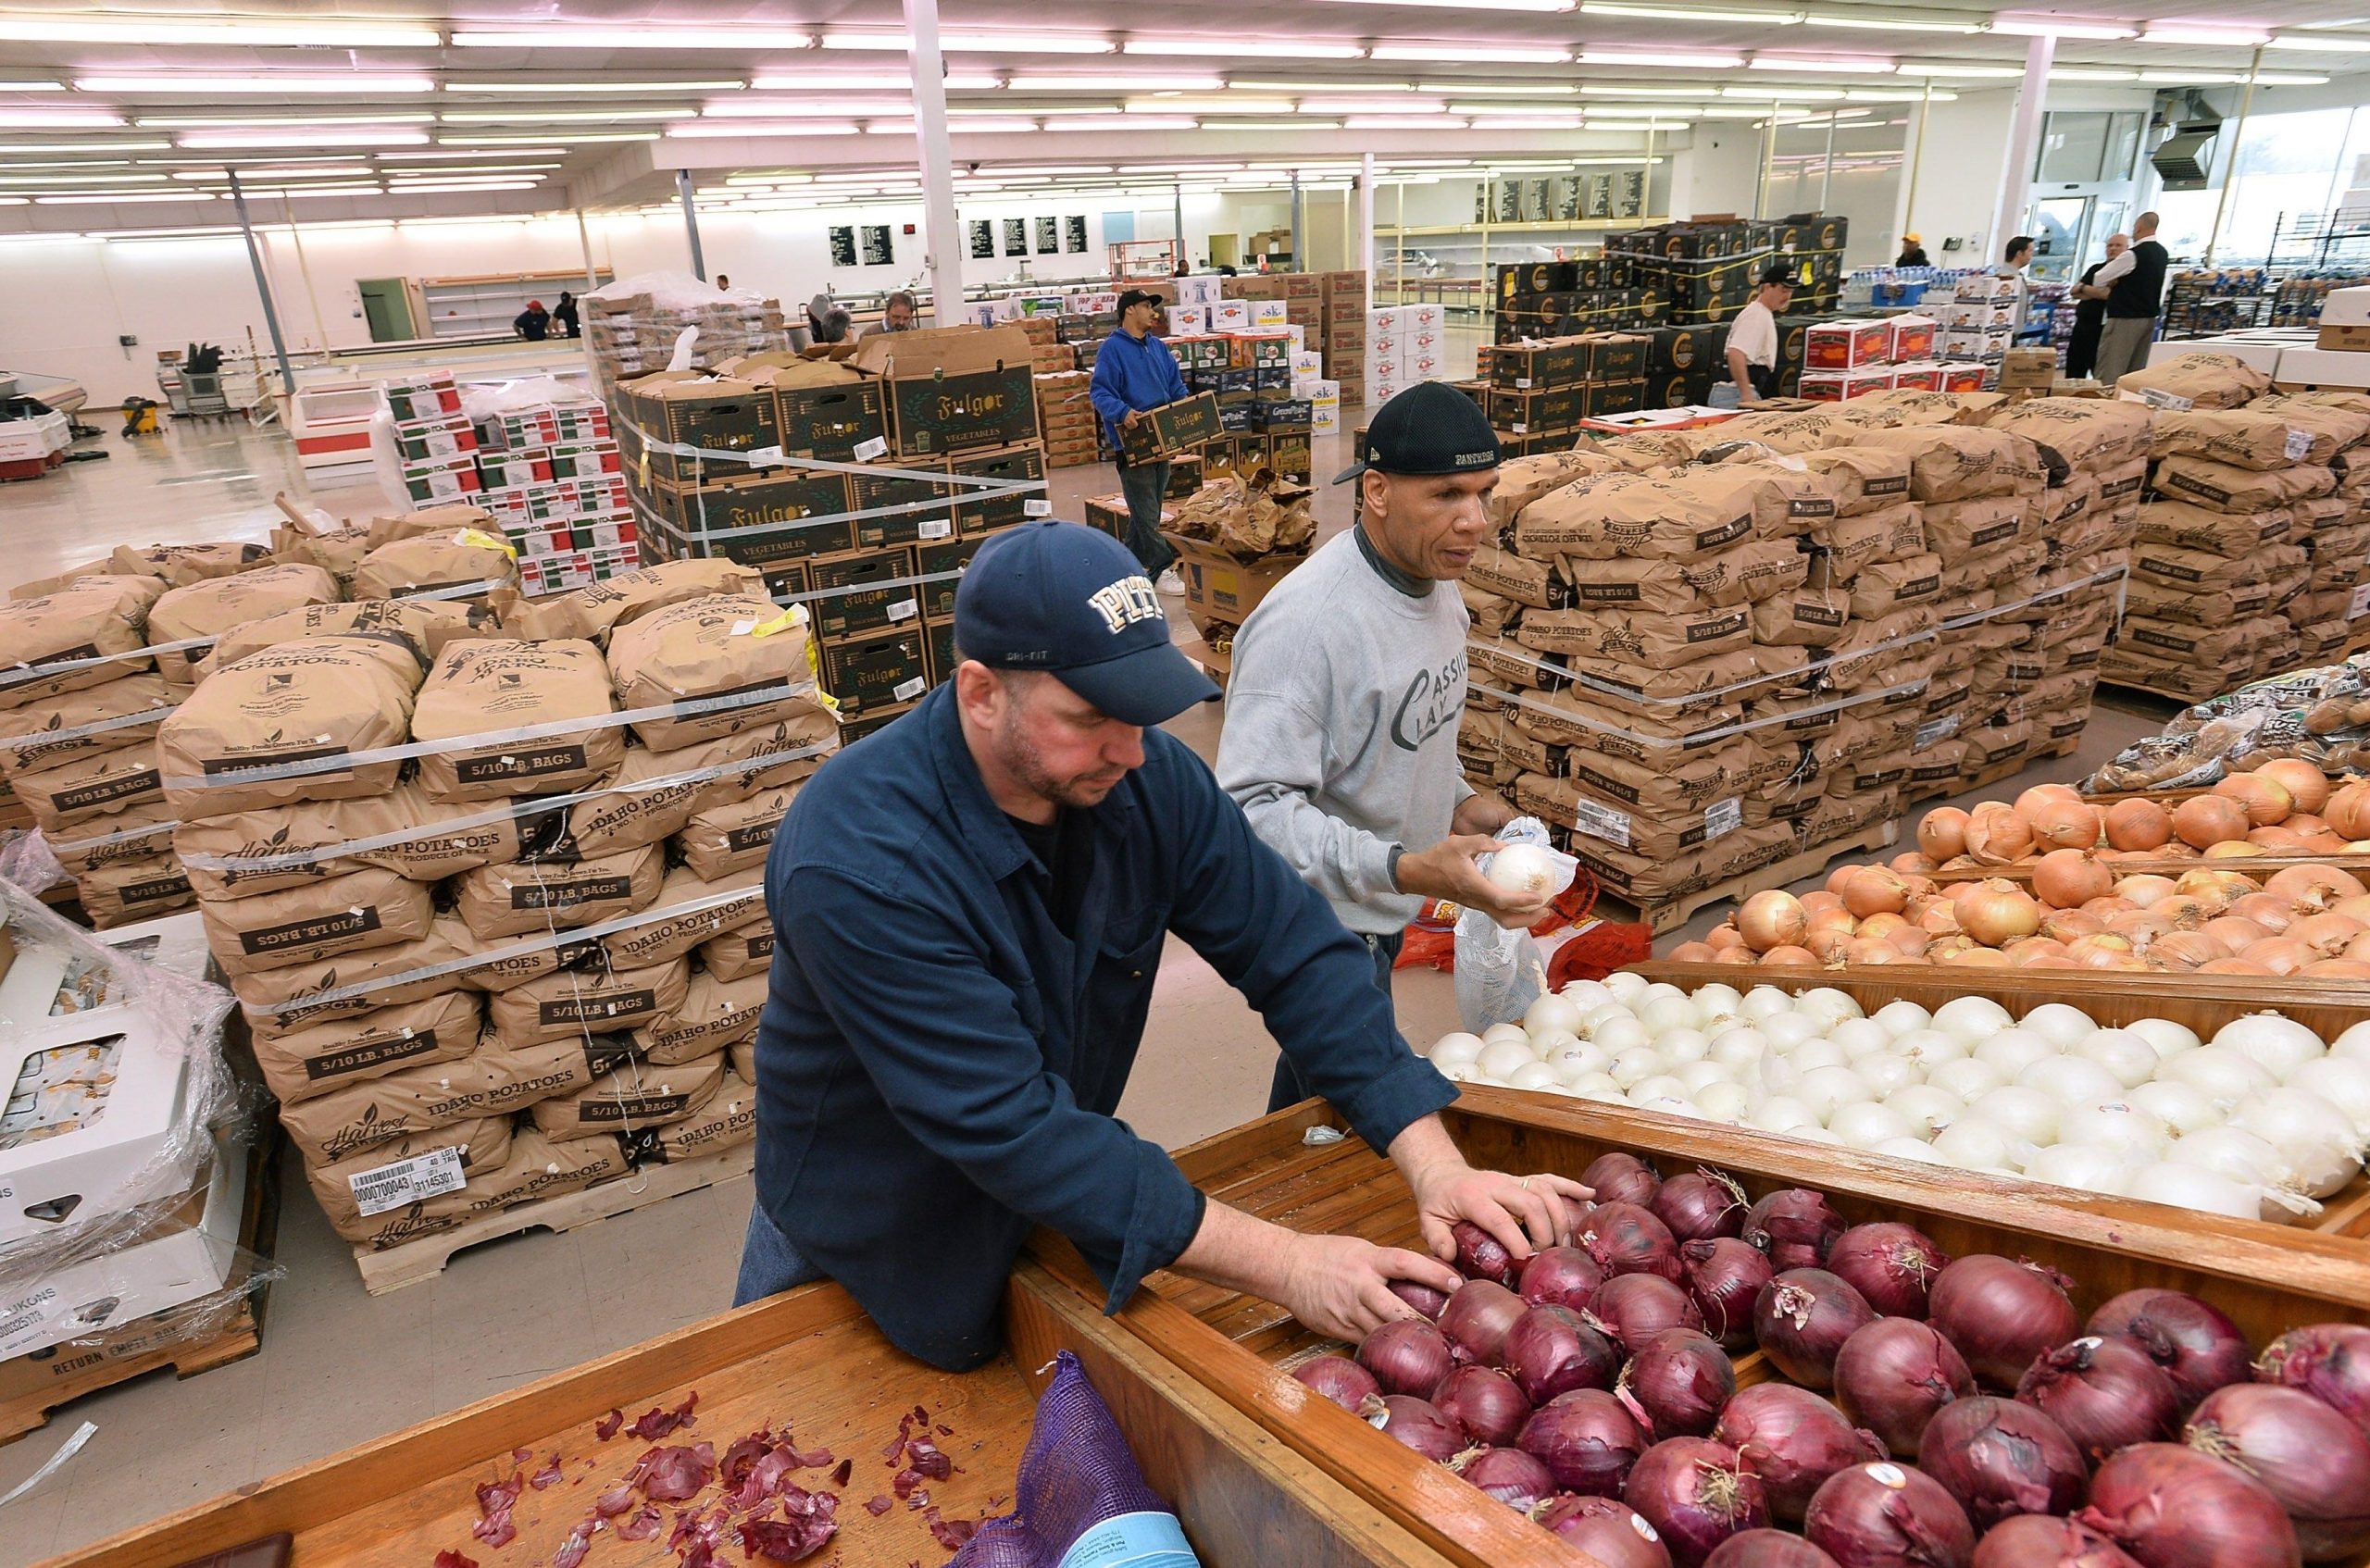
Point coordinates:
pixel 1065 847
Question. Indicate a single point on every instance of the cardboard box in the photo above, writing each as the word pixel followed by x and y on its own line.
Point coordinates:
pixel 1176 427
pixel 1842 345
pixel 2333 369
pixel 1267 314
pixel 766 502
pixel 935 521
pixel 838 421
pixel 935 562
pixel 1218 588
pixel 2027 369
pixel 1537 413
pixel 1912 338
pixel 1230 315
pixel 867 674
pixel 2344 337
pixel 715 413
pixel 118 1156
pixel 976 514
pixel 1187 320
pixel 953 389
pixel 846 601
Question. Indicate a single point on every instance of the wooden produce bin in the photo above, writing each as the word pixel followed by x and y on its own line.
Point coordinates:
pixel 808 1361
pixel 2268 1278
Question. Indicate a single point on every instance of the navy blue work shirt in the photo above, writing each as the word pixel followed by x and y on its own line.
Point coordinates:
pixel 938 1061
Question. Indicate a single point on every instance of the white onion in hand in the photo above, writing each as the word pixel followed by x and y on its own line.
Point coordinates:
pixel 1529 871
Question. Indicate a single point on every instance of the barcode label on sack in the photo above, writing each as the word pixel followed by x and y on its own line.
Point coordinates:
pixel 1601 822
pixel 936 528
pixel 1935 729
pixel 2359 606
pixel 2157 398
pixel 1722 817
pixel 406 1181
pixel 2299 443
pixel 865 451
pixel 904 609
pixel 1039 508
pixel 906 690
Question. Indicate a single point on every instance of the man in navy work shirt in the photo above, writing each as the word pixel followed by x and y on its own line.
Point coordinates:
pixel 1134 373
pixel 968 911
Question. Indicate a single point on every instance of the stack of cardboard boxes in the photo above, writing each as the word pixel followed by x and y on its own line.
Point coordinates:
pixel 1706 270
pixel 633 331
pixel 435 444
pixel 1562 299
pixel 1538 393
pixel 1844 360
pixel 1066 416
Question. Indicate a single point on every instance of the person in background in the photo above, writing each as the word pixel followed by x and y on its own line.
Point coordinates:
pixel 827 322
pixel 1913 252
pixel 534 323
pixel 2090 313
pixel 1134 373
pixel 564 315
pixel 1348 684
pixel 982 892
pixel 2018 256
pixel 2134 286
pixel 1753 340
pixel 723 283
pixel 896 313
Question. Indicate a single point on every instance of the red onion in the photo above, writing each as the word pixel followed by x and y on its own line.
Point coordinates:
pixel 1551 1351
pixel 1698 1205
pixel 1509 1474
pixel 2173 1507
pixel 1886 1516
pixel 1480 1255
pixel 1795 1226
pixel 1697 1493
pixel 1768 1549
pixel 1680 1379
pixel 1416 1425
pixel 1621 1178
pixel 1802 1318
pixel 1636 1307
pixel 1340 1379
pixel 1485 1402
pixel 1891 1265
pixel 1407 1357
pixel 2035 1540
pixel 2107 1394
pixel 2329 1360
pixel 2002 1314
pixel 1423 1298
pixel 1624 1239
pixel 1477 1318
pixel 1562 1276
pixel 1612 1533
pixel 1723 1276
pixel 1586 1439
pixel 1794 1440
pixel 1892 1374
pixel 2000 1458
pixel 2199 1349
pixel 2311 1459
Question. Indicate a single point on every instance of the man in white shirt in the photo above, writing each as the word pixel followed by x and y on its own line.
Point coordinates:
pixel 2019 256
pixel 2132 285
pixel 1753 340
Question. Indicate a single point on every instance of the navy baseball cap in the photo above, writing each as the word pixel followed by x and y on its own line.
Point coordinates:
pixel 1429 428
pixel 1071 601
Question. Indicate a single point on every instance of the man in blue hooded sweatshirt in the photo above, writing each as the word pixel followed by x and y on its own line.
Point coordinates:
pixel 1135 373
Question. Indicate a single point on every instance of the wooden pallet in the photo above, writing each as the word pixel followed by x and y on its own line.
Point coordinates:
pixel 1671 915
pixel 1995 773
pixel 33 1388
pixel 409 1263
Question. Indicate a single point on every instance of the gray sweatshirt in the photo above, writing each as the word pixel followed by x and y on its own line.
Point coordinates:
pixel 1341 714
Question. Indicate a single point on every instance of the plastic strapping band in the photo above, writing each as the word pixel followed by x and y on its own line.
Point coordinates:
pixel 1566 716
pixel 96 727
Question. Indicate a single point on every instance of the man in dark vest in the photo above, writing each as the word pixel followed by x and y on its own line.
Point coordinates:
pixel 2135 285
pixel 2090 313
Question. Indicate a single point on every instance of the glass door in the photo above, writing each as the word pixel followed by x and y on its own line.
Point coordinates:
pixel 2060 231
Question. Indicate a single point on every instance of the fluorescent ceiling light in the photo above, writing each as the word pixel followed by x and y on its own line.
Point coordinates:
pixel 1889 95
pixel 1394 122
pixel 1245 48
pixel 2322 41
pixel 983 42
pixel 305 171
pixel 2083 73
pixel 1047 170
pixel 1989 72
pixel 1504 89
pixel 558 117
pixel 15 148
pixel 40 164
pixel 61 119
pixel 359 84
pixel 309 31
pixel 594 89
pixel 230 122
pixel 1277 125
pixel 462 185
pixel 306 138
pixel 443 171
pixel 300 192
pixel 1862 64
pixel 93 178
pixel 701 130
pixel 1498 111
pixel 33 86
pixel 1116 82
pixel 1470 5
pixel 1875 23
pixel 2211 37
pixel 2102 27
pixel 861 81
pixel 1379 106
pixel 474 152
pixel 1536 122
pixel 1212 106
pixel 1122 123
pixel 988 127
pixel 96 197
pixel 582 35
pixel 458 190
pixel 797 108
pixel 1790 94
pixel 1594 90
pixel 1687 13
pixel 1604 113
pixel 574 138
pixel 1248 84
pixel 969 111
pixel 1676 59
pixel 1453 53
pixel 2191 77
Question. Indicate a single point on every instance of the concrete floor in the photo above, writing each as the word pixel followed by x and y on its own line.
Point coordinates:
pixel 339 1366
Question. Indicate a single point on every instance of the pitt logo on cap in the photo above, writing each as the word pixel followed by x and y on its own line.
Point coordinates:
pixel 1126 602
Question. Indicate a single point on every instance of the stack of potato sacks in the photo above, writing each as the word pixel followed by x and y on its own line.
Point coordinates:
pixel 400 819
pixel 2255 536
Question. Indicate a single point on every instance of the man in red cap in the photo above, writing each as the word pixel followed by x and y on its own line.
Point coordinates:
pixel 534 323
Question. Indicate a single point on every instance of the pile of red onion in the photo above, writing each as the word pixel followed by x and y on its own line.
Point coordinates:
pixel 1912 1410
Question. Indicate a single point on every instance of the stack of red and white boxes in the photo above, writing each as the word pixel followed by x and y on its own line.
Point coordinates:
pixel 554 480
pixel 1842 360
pixel 435 446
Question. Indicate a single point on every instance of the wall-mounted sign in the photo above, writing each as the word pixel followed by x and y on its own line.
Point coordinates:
pixel 983 239
pixel 878 250
pixel 843 245
pixel 1015 236
pixel 1073 235
pixel 1049 236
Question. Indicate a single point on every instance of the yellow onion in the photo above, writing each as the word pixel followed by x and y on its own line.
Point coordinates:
pixel 2305 783
pixel 2215 890
pixel 2264 800
pixel 2064 924
pixel 2139 824
pixel 2267 910
pixel 1772 919
pixel 2102 952
pixel 1789 955
pixel 2203 821
pixel 1996 834
pixel 2280 956
pixel 2144 889
pixel 2349 811
pixel 2236 933
pixel 1997 912
pixel 2232 848
pixel 2060 823
pixel 2313 886
pixel 2327 935
pixel 1692 952
pixel 2185 950
pixel 1874 889
pixel 2067 878
pixel 1941 834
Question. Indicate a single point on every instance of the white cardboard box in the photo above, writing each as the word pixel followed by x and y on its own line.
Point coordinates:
pixel 1187 320
pixel 2263 354
pixel 2322 367
pixel 2346 307
pixel 1230 315
pixel 1269 313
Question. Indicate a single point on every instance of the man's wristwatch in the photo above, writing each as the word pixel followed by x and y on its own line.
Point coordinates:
pixel 1398 853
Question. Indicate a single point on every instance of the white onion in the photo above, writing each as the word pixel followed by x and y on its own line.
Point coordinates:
pixel 1625 985
pixel 1929 1109
pixel 2317 1140
pixel 1827 1089
pixel 1669 1105
pixel 1589 1056
pixel 2072 1080
pixel 1530 870
pixel 1659 990
pixel 2279 1045
pixel 1738 1050
pixel 1715 1001
pixel 2129 1056
pixel 1973 1143
pixel 1533 1075
pixel 1765 1002
pixel 1903 1017
pixel 1827 1006
pixel 1459 1072
pixel 1969 1078
pixel 1577 1067
pixel 1786 1031
pixel 2224 1074
pixel 1812 1054
pixel 1497 1032
pixel 2167 1038
pixel 1500 1058
pixel 1593 1086
pixel 2187 1187
pixel 1549 1044
pixel 2022 1113
pixel 1814 1134
pixel 2185 1108
pixel 1596 1018
pixel 1886 1072
pixel 1858 1037
pixel 1553 1011
pixel 1635 1067
pixel 1662 1086
pixel 1618 1035
pixel 2058 1023
pixel 1681 1046
pixel 1459 1047
pixel 2137 1135
pixel 1783 1113
pixel 2013 1051
pixel 1664 1014
pixel 1868 1124
pixel 1723 1102
pixel 2086 1167
pixel 1695 1075
pixel 2240 1156
pixel 1590 995
pixel 1906 1149
pixel 2354 1042
pixel 2340 1082
pixel 1930 1048
pixel 1973 1018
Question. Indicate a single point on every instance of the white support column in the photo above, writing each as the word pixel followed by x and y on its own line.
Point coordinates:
pixel 2024 146
pixel 1364 240
pixel 943 256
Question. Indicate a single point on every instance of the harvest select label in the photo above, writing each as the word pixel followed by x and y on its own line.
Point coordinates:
pixel 407 1181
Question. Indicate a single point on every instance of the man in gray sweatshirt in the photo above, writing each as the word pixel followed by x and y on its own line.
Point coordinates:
pixel 1348 684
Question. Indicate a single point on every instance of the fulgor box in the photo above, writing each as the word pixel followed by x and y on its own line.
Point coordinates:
pixel 955 389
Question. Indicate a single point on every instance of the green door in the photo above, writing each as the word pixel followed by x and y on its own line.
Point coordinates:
pixel 386 307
